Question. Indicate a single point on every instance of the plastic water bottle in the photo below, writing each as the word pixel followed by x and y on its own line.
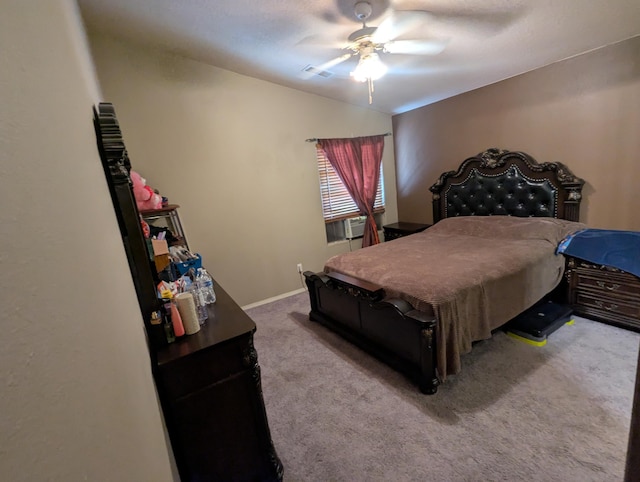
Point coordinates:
pixel 198 298
pixel 206 283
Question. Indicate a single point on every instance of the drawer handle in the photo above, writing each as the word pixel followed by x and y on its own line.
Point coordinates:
pixel 609 307
pixel 611 287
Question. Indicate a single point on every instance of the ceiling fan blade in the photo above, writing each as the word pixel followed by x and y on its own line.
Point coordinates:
pixel 419 47
pixel 333 62
pixel 312 70
pixel 483 21
pixel 319 41
pixel 399 23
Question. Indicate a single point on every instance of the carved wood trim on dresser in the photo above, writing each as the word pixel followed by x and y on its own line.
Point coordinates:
pixel 604 293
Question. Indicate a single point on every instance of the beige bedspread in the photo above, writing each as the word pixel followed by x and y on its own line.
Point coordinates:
pixel 474 273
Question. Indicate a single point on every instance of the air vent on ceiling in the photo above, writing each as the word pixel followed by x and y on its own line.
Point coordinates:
pixel 310 69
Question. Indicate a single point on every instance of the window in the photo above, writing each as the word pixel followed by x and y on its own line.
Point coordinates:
pixel 336 201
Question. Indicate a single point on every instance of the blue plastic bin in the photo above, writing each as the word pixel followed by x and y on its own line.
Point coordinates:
pixel 182 268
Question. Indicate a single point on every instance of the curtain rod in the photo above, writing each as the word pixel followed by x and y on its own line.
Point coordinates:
pixel 316 140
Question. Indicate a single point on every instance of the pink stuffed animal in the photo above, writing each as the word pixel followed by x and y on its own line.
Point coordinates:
pixel 146 198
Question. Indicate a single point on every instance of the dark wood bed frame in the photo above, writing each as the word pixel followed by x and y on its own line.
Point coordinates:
pixel 495 182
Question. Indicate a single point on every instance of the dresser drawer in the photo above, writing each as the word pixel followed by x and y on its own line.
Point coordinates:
pixel 604 293
pixel 608 282
pixel 206 367
pixel 622 306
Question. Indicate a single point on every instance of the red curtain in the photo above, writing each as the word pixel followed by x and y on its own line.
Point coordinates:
pixel 357 162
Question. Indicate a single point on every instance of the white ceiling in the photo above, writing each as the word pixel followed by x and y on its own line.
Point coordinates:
pixel 489 40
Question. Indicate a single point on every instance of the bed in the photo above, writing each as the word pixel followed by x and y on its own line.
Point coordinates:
pixel 420 301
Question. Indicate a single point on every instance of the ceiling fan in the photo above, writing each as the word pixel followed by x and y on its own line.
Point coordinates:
pixel 366 42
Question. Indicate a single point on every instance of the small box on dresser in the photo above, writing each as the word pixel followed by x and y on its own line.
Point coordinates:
pixel 604 293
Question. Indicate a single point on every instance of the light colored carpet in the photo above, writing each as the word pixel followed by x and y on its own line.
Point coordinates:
pixel 516 412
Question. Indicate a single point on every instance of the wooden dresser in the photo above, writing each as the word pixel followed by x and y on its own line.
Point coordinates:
pixel 210 389
pixel 604 293
pixel 209 382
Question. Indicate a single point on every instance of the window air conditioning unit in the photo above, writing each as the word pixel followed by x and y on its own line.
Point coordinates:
pixel 354 227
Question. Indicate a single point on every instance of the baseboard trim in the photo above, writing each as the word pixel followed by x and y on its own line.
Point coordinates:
pixel 274 298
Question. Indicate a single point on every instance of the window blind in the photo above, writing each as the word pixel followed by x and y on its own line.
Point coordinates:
pixel 337 203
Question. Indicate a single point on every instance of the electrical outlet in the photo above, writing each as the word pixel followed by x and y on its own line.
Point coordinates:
pixel 299 267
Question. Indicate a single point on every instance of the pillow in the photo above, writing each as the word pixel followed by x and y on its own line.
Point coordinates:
pixel 507 227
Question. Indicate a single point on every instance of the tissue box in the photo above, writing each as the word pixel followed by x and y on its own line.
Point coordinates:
pixel 182 268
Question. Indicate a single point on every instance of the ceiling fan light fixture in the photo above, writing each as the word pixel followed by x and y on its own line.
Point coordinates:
pixel 369 68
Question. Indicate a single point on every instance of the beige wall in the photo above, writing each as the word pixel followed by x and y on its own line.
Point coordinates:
pixel 583 112
pixel 77 400
pixel 231 151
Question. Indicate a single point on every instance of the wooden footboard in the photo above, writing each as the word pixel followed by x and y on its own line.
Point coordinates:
pixel 390 329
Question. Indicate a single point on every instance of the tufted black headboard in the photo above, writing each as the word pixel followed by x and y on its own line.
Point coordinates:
pixel 500 182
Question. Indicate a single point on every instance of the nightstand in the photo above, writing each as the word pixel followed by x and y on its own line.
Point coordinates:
pixel 604 293
pixel 400 229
